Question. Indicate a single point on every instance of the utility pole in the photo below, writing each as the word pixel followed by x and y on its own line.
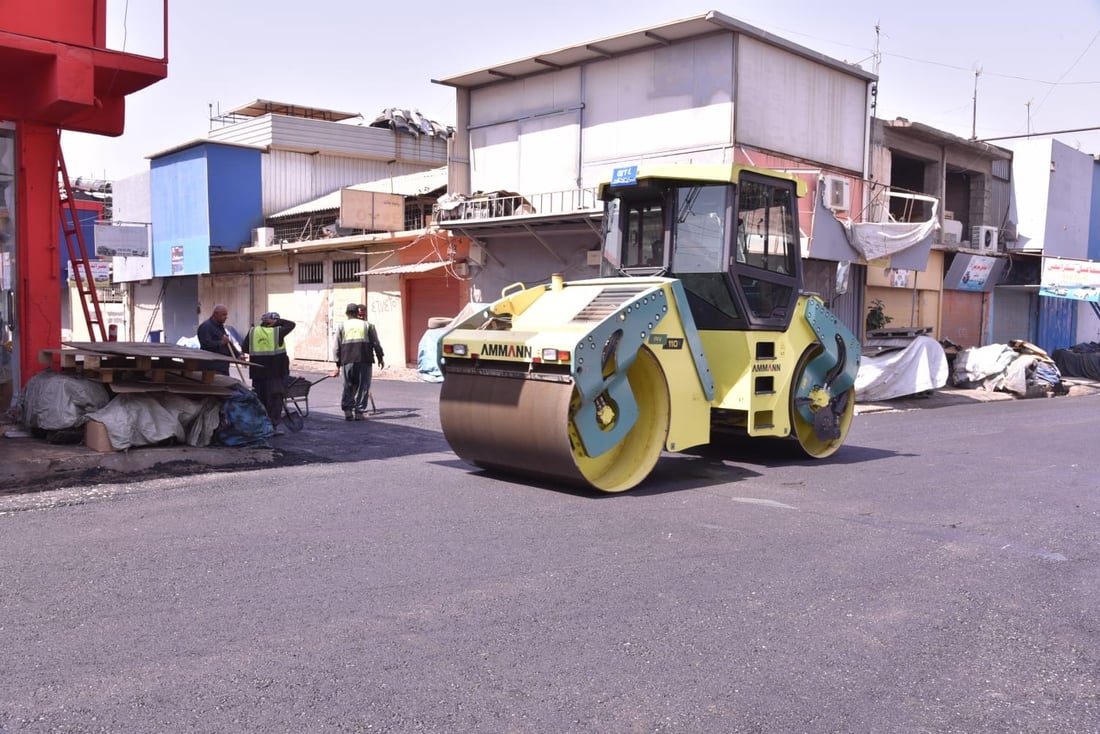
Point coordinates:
pixel 877 57
pixel 1028 105
pixel 974 117
pixel 869 159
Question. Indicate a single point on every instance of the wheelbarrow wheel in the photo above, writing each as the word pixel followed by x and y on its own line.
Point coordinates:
pixel 294 419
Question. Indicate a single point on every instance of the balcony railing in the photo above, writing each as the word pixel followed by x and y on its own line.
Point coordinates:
pixel 497 204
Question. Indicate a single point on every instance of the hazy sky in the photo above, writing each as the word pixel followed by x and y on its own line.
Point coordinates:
pixel 1039 65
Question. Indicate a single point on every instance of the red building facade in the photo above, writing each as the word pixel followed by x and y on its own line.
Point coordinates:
pixel 56 73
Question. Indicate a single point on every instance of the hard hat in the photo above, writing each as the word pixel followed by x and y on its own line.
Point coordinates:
pixel 270 315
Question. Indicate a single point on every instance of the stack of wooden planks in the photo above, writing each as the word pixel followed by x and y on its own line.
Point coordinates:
pixel 143 366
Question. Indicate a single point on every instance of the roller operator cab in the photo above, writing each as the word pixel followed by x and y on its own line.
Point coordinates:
pixel 697 331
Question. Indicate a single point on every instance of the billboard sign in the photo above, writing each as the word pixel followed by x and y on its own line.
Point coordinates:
pixel 1075 279
pixel 371 211
pixel 122 239
pixel 977 273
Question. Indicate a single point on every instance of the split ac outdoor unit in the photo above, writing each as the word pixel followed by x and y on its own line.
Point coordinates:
pixel 477 254
pixel 837 193
pixel 984 238
pixel 263 236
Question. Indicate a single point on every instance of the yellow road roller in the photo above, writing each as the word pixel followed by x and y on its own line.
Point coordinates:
pixel 697 328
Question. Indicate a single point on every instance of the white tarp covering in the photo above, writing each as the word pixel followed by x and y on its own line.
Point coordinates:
pixel 917 368
pixel 876 240
pixel 977 364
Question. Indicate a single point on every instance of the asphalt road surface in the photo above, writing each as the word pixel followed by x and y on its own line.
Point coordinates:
pixel 941 573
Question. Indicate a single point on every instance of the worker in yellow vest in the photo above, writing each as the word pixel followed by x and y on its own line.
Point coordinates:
pixel 270 363
pixel 357 346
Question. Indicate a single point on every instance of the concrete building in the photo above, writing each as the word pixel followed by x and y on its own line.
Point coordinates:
pixel 208 202
pixel 1055 286
pixel 706 89
pixel 952 295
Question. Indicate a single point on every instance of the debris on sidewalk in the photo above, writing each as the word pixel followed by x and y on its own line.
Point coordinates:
pixel 1019 367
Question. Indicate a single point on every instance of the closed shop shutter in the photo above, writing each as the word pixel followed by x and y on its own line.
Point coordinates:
pixel 425 298
pixel 962 318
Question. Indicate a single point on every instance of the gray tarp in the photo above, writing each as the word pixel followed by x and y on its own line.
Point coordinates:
pixel 56 402
pixel 149 418
pixel 1017 367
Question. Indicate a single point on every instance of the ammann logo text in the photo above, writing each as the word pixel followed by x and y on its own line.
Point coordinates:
pixel 514 351
pixel 767 367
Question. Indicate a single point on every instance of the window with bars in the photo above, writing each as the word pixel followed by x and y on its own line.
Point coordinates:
pixel 109 295
pixel 302 228
pixel 344 271
pixel 417 214
pixel 311 272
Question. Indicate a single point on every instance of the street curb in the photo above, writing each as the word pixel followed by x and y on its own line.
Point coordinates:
pixel 47 467
pixel 948 396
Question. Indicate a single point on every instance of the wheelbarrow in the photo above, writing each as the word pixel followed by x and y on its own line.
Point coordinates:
pixel 296 400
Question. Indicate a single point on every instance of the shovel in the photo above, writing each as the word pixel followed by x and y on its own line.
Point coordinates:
pixel 235 347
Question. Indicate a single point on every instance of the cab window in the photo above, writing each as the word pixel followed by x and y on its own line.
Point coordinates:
pixel 700 235
pixel 766 249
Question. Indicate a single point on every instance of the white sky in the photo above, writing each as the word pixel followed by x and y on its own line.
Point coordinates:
pixel 363 57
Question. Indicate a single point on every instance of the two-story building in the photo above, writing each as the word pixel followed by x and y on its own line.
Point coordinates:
pixel 706 89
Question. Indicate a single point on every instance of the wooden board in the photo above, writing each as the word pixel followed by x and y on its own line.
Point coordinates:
pixel 142 366
pixel 152 350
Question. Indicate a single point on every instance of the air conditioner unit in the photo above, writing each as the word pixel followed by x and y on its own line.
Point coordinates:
pixel 477 254
pixel 837 193
pixel 984 238
pixel 263 237
pixel 952 232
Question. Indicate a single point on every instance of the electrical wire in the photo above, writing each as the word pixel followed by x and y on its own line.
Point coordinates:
pixel 992 73
pixel 1067 71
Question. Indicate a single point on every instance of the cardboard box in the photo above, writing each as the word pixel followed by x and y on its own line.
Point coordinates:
pixel 96 438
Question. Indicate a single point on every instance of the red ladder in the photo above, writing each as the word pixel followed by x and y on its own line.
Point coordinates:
pixel 78 255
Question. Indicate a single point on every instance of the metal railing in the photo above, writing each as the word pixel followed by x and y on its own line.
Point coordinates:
pixel 449 208
pixel 496 204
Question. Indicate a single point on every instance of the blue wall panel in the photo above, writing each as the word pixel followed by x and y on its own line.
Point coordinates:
pixel 181 219
pixel 1057 323
pixel 236 196
pixel 206 197
pixel 87 217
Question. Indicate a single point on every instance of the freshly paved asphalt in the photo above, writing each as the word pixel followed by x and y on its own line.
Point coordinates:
pixel 938 574
pixel 30 464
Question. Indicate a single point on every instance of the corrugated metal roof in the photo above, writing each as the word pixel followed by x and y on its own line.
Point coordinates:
pixel 412 184
pixel 626 43
pixel 408 268
pixel 199 141
pixel 259 107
